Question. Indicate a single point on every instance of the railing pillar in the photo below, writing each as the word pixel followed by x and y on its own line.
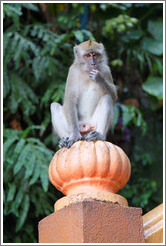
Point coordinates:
pixel 90 173
pixel 153 225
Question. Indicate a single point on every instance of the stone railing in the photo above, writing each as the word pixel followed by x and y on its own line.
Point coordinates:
pixel 153 225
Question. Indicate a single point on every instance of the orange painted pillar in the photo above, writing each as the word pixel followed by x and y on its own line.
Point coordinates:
pixel 90 173
pixel 153 225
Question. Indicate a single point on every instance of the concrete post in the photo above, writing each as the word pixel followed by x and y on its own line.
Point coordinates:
pixel 90 173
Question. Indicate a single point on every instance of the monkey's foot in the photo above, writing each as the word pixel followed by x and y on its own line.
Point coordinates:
pixel 64 142
pixel 67 142
pixel 93 136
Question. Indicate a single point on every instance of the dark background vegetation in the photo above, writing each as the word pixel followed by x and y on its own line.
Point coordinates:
pixel 38 50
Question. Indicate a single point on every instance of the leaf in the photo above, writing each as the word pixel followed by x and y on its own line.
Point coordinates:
pixel 22 96
pixel 19 197
pixel 30 166
pixel 135 34
pixel 126 116
pixel 19 146
pixel 8 143
pixel 35 175
pixel 6 85
pixel 156 29
pixel 20 47
pixel 139 119
pixel 153 102
pixel 116 116
pixel 12 9
pixel 11 192
pixel 45 151
pixel 152 46
pixel 159 65
pixel 16 203
pixel 23 214
pixel 22 159
pixel 44 177
pixel 36 142
pixel 30 6
pixel 154 87
pixel 88 35
pixel 79 35
pixel 10 133
pixel 148 61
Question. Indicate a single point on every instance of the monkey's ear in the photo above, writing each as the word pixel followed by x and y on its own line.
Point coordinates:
pixel 102 47
pixel 75 50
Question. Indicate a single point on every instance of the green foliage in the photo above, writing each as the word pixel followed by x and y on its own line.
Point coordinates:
pixel 26 162
pixel 38 50
pixel 119 24
pixel 154 87
pixel 82 35
pixel 154 44
pixel 13 10
pixel 21 96
pixel 130 115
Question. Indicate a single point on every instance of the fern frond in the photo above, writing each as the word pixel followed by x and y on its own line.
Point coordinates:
pixel 22 159
pixel 22 96
pixel 11 192
pixel 23 213
pixel 35 142
pixel 11 10
pixel 54 93
pixel 30 166
pixel 19 197
pixel 19 146
pixel 44 177
pixel 8 144
pixel 36 175
pixel 44 66
pixel 20 48
pixel 14 10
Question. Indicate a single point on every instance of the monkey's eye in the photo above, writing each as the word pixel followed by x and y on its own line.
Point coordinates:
pixel 88 55
pixel 96 55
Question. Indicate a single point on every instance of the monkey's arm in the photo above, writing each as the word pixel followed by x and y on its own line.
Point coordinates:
pixel 70 110
pixel 106 81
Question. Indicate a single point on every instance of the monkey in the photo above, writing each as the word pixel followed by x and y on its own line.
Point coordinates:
pixel 85 128
pixel 90 94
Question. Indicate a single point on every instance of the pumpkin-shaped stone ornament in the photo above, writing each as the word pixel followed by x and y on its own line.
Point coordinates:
pixel 89 167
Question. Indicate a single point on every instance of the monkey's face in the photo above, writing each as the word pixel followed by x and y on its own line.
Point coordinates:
pixel 89 60
pixel 92 60
pixel 90 55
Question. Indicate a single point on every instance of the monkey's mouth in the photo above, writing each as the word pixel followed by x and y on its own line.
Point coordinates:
pixel 93 67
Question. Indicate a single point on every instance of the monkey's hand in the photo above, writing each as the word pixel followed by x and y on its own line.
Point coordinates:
pixel 93 136
pixel 67 142
pixel 95 75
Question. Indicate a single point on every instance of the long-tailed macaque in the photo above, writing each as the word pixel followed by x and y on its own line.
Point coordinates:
pixel 87 112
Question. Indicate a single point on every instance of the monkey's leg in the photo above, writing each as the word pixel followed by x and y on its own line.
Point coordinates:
pixel 58 120
pixel 59 123
pixel 101 119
